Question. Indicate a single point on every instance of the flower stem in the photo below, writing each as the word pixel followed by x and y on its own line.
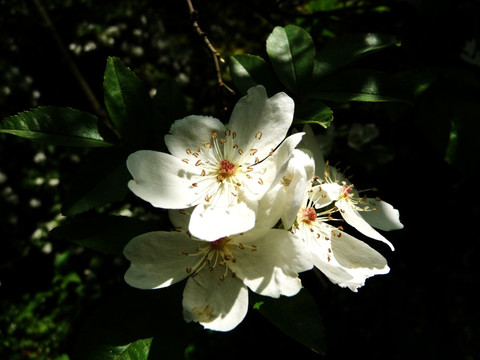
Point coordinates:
pixel 217 58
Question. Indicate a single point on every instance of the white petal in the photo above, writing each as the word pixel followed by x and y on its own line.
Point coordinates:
pixel 270 261
pixel 300 172
pixel 282 155
pixel 353 218
pixel 260 179
pixel 261 122
pixel 285 151
pixel 349 262
pixel 325 194
pixel 310 144
pixel 216 304
pixel 156 261
pixel 271 207
pixel 212 222
pixel 190 133
pixel 284 200
pixel 180 218
pixel 385 218
pixel 269 172
pixel 164 180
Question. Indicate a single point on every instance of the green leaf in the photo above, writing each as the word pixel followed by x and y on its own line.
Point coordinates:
pixel 107 234
pixel 448 111
pixel 101 179
pixel 361 85
pixel 291 53
pixel 348 50
pixel 137 350
pixel 133 315
pixel 313 112
pixel 296 316
pixel 128 103
pixel 55 125
pixel 168 105
pixel 250 70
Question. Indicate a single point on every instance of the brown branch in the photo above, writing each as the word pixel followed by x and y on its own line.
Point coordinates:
pixel 217 58
pixel 97 107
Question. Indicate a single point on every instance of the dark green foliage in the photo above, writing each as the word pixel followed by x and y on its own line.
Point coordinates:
pixel 297 316
pixel 56 126
pixel 398 66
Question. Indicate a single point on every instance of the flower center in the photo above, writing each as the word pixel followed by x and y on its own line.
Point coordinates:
pixel 226 169
pixel 346 191
pixel 219 245
pixel 307 215
pixel 215 253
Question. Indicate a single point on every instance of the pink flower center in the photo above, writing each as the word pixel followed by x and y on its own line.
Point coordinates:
pixel 307 215
pixel 346 190
pixel 226 169
pixel 219 244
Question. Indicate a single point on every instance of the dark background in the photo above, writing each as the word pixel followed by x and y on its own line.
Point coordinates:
pixel 424 309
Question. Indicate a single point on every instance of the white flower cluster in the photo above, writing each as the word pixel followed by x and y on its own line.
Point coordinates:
pixel 228 187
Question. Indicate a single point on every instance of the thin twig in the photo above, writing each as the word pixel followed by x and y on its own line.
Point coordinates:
pixel 97 107
pixel 217 58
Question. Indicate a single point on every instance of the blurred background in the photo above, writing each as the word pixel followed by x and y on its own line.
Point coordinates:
pixel 422 156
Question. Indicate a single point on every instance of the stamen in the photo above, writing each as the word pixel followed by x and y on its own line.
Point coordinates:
pixel 258 135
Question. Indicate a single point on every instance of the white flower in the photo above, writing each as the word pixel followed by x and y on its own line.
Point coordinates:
pixel 219 272
pixel 362 212
pixel 345 260
pixel 282 201
pixel 221 171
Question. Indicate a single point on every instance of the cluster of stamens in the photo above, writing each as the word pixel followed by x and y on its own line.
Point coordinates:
pixel 227 164
pixel 307 215
pixel 215 253
pixel 226 170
